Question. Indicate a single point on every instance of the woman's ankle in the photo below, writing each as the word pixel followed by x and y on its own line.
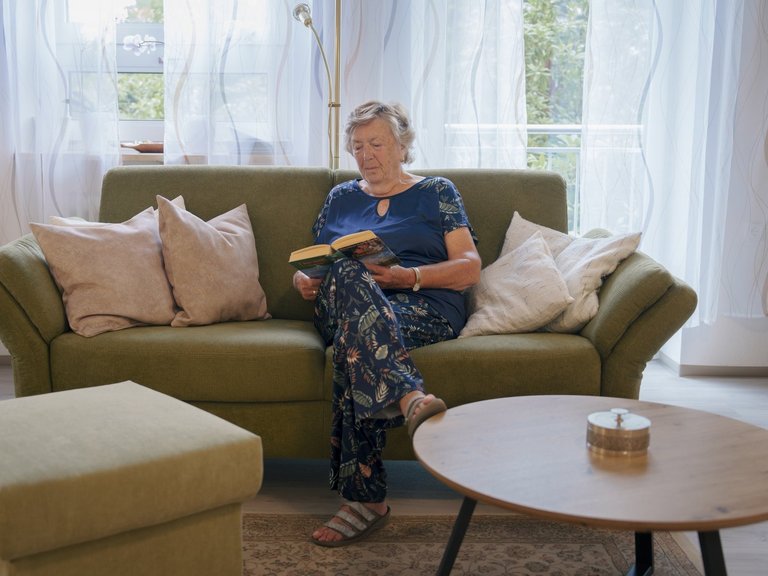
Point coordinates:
pixel 405 401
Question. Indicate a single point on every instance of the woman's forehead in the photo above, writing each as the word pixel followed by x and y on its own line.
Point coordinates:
pixel 377 128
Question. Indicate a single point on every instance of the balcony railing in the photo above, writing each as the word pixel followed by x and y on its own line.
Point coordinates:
pixel 555 147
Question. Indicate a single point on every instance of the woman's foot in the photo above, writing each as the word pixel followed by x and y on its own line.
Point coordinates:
pixel 419 407
pixel 353 522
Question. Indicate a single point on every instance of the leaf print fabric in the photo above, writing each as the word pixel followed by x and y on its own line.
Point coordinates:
pixel 372 369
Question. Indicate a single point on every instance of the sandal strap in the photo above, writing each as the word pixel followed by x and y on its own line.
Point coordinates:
pixel 352 519
pixel 412 405
pixel 341 528
pixel 356 520
pixel 363 511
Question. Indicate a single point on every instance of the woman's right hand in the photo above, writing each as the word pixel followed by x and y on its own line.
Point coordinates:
pixel 306 286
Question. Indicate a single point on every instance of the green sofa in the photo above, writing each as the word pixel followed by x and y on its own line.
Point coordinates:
pixel 273 377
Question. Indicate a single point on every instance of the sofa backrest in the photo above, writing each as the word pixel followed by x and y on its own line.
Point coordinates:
pixel 284 201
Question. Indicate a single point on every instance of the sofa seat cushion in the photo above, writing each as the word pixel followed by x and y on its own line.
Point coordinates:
pixel 256 361
pixel 499 365
pixel 87 464
pixel 484 367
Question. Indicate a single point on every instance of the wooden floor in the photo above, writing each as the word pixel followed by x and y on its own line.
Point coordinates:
pixel 300 487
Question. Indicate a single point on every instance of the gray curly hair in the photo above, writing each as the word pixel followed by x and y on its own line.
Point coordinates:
pixel 394 114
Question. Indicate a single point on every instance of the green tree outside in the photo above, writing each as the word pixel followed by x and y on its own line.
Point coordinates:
pixel 144 11
pixel 555 34
pixel 140 96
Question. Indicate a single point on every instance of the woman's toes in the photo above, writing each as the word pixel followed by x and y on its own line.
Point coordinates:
pixel 425 401
pixel 326 534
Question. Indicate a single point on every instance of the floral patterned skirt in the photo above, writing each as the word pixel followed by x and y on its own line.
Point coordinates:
pixel 372 370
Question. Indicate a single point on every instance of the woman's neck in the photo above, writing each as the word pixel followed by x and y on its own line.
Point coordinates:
pixel 389 187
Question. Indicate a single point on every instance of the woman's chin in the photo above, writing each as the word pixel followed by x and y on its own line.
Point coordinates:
pixel 373 175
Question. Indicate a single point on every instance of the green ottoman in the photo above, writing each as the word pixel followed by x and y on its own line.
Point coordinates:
pixel 121 479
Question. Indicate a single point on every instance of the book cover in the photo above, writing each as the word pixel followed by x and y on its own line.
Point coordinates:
pixel 365 246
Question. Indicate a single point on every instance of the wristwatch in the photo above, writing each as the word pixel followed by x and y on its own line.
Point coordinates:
pixel 417 284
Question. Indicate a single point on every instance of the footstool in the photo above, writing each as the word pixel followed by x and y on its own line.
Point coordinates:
pixel 120 479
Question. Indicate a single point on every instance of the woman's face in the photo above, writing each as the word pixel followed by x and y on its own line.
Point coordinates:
pixel 377 153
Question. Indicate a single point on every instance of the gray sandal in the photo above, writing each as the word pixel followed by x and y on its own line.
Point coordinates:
pixel 356 523
pixel 436 406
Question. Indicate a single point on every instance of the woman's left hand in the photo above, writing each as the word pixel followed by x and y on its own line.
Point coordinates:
pixel 392 276
pixel 460 271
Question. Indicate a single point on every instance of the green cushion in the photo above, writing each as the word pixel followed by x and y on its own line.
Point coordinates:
pixel 282 204
pixel 284 201
pixel 87 464
pixel 495 366
pixel 484 367
pixel 259 361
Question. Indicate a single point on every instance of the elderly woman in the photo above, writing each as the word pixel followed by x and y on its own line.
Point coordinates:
pixel 374 315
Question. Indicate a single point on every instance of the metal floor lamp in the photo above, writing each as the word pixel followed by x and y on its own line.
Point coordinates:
pixel 301 12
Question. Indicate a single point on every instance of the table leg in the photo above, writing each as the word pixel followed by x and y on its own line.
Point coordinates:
pixel 643 555
pixel 457 536
pixel 712 553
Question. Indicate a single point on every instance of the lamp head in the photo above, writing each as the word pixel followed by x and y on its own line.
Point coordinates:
pixel 302 14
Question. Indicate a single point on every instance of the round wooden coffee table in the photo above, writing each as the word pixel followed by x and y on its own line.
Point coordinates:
pixel 528 454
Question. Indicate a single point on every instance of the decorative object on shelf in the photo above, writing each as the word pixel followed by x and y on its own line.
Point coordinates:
pixel 144 146
pixel 618 433
pixel 301 13
pixel 139 44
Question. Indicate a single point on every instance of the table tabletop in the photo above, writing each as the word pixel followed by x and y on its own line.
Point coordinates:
pixel 702 472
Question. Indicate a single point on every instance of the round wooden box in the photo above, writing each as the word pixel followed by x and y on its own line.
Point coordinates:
pixel 618 433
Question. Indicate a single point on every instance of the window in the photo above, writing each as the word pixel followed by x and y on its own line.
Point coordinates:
pixel 555 36
pixel 140 70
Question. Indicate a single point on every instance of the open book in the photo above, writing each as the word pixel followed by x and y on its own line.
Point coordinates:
pixel 364 246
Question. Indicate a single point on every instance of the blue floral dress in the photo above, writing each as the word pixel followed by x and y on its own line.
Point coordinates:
pixel 372 330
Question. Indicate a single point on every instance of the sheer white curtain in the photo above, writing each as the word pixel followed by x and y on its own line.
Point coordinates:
pixel 675 141
pixel 243 73
pixel 58 110
pixel 457 65
pixel 238 85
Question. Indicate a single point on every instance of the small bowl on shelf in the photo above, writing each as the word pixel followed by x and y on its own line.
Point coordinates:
pixel 145 147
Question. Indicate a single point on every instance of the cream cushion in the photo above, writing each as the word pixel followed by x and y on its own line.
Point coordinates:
pixel 582 262
pixel 111 276
pixel 519 292
pixel 212 266
pixel 520 230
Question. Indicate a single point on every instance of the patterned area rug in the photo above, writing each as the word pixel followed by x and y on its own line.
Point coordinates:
pixel 413 545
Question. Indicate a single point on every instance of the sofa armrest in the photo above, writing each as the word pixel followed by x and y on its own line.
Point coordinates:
pixel 31 313
pixel 641 306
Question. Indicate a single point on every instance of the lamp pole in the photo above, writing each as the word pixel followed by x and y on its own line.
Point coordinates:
pixel 336 104
pixel 301 12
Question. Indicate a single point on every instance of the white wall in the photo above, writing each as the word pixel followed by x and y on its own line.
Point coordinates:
pixel 729 342
pixel 729 346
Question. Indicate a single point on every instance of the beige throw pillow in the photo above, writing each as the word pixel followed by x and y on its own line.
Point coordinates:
pixel 77 221
pixel 521 229
pixel 519 292
pixel 111 276
pixel 582 262
pixel 212 266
